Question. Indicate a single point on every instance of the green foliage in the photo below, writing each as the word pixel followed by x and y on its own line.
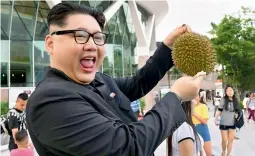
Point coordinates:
pixel 176 71
pixel 142 104
pixel 107 66
pixel 241 105
pixel 4 107
pixel 220 76
pixel 234 42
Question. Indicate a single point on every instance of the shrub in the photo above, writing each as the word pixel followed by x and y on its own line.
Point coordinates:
pixel 4 107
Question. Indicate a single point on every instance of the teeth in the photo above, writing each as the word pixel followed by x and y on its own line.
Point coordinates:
pixel 89 58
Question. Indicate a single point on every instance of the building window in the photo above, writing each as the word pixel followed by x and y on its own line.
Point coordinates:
pixel 22 32
pixel 6 9
pixel 41 57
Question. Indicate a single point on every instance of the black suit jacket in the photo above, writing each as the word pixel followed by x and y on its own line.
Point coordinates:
pixel 66 118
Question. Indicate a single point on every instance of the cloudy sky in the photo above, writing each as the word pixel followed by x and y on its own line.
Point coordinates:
pixel 198 14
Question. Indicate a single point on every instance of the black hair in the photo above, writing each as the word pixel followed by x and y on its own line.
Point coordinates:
pixel 59 13
pixel 187 107
pixel 23 96
pixel 21 135
pixel 202 100
pixel 247 95
pixel 227 100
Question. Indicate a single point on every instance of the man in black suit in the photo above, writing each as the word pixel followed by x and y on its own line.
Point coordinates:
pixel 76 111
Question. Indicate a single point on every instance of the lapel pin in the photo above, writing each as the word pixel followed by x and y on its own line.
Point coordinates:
pixel 112 95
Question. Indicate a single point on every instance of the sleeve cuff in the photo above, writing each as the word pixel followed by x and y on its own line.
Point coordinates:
pixel 220 109
pixel 185 139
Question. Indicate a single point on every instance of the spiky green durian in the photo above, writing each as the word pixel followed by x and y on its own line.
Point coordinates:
pixel 193 53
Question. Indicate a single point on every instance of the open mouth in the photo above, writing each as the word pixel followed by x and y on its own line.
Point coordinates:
pixel 88 63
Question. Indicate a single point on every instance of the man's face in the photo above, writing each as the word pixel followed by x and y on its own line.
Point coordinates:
pixel 21 104
pixel 73 58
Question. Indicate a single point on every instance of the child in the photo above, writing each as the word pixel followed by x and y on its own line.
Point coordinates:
pixel 21 139
pixel 185 140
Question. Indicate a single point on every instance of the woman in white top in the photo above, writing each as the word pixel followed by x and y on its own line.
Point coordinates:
pixel 185 141
pixel 245 109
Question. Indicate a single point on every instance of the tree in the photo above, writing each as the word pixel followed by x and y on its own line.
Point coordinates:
pixel 107 66
pixel 4 107
pixel 234 42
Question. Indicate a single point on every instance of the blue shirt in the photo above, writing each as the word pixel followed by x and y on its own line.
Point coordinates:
pixel 135 105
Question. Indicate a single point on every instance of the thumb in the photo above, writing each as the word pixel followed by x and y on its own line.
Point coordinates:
pixel 199 77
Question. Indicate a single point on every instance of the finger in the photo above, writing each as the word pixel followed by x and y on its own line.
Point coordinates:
pixel 199 78
pixel 183 28
pixel 202 73
pixel 188 28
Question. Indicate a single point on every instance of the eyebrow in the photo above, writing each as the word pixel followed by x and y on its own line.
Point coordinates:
pixel 80 28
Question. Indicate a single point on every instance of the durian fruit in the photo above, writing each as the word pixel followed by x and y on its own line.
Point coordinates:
pixel 193 53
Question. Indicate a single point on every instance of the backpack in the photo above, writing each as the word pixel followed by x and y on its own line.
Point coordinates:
pixel 5 137
pixel 4 124
pixel 240 120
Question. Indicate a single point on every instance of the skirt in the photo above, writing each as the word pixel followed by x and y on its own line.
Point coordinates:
pixel 203 130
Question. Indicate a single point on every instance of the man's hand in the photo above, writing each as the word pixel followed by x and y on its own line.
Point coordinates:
pixel 188 87
pixel 169 40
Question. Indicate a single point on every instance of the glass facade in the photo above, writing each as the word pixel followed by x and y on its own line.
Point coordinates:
pixel 23 30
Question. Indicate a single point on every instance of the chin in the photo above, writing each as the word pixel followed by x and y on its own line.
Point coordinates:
pixel 86 78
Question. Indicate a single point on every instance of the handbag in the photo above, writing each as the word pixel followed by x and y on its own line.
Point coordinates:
pixel 240 120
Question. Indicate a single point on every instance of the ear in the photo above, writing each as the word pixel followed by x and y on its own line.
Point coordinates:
pixel 49 44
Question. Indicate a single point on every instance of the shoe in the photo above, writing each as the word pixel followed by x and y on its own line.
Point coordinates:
pixel 223 154
pixel 237 138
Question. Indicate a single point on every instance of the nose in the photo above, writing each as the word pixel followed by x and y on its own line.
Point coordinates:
pixel 90 45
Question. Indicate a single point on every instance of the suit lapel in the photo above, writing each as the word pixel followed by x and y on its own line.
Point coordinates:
pixel 109 95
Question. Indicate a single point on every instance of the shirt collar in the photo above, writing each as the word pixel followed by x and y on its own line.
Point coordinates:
pixel 53 72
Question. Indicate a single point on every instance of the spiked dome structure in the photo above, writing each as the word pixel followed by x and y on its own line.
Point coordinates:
pixel 193 53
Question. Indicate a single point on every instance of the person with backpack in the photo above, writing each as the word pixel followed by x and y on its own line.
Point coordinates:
pixel 228 111
pixel 16 119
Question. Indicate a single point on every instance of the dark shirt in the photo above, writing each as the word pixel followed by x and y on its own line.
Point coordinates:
pixel 66 118
pixel 16 119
